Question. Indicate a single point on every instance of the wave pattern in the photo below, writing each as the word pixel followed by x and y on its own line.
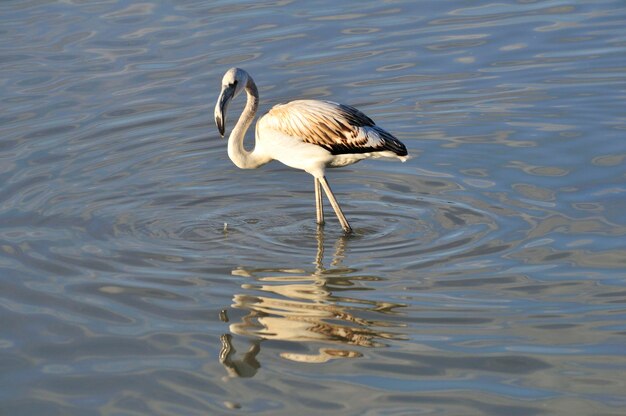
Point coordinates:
pixel 142 273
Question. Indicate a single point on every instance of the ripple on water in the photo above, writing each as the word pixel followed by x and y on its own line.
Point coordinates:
pixel 394 215
pixel 492 286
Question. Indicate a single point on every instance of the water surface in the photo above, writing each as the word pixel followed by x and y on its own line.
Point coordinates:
pixel 141 272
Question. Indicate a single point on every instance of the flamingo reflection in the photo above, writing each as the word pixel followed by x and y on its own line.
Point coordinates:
pixel 292 305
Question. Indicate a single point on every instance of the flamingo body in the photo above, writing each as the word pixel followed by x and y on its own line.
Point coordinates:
pixel 310 135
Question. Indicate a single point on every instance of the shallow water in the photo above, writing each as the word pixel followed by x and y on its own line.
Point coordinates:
pixel 142 273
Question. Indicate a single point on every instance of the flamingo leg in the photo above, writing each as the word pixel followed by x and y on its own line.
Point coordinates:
pixel 319 208
pixel 335 205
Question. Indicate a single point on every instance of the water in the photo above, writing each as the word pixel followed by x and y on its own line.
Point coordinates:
pixel 485 276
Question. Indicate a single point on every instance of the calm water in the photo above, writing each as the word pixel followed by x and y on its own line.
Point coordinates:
pixel 487 275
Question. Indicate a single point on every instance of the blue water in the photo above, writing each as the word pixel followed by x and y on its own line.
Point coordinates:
pixel 141 272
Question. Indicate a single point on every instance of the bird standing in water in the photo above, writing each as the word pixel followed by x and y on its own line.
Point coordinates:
pixel 310 135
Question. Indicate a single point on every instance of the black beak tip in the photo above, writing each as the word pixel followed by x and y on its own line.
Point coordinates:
pixel 220 126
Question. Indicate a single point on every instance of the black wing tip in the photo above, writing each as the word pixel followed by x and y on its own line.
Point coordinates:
pixel 356 117
pixel 401 151
pixel 398 148
pixel 391 143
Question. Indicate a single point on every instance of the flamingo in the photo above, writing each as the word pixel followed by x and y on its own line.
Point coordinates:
pixel 310 135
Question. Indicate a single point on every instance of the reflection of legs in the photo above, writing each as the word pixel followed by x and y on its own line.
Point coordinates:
pixel 340 251
pixel 335 205
pixel 319 257
pixel 318 202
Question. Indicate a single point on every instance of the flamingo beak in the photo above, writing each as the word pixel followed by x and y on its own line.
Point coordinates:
pixel 221 107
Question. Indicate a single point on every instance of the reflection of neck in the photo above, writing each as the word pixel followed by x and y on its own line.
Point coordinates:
pixel 247 366
pixel 236 151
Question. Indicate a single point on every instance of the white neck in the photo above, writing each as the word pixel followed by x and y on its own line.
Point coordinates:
pixel 236 152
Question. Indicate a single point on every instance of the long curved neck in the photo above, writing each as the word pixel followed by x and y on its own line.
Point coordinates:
pixel 236 151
